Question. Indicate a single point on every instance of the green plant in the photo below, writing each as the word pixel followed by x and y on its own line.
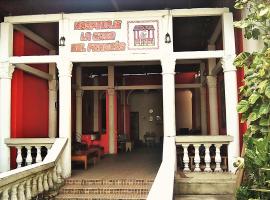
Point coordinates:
pixel 255 100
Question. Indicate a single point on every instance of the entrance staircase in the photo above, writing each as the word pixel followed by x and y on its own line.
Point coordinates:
pixel 205 186
pixel 97 189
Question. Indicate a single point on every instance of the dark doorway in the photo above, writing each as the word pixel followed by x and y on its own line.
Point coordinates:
pixel 134 127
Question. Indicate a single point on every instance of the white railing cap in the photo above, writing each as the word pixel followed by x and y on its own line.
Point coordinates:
pixel 224 139
pixel 29 141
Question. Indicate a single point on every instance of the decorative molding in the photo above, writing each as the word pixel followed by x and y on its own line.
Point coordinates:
pixel 64 68
pixel 168 66
pixel 227 63
pixel 6 70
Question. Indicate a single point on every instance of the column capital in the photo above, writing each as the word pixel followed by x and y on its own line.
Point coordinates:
pixel 211 81
pixel 227 63
pixel 168 65
pixel 64 68
pixel 6 70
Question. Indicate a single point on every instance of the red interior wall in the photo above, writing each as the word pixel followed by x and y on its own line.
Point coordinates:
pixel 29 96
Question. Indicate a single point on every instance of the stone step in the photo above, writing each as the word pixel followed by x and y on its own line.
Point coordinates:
pixel 100 197
pixel 205 184
pixel 105 189
pixel 72 181
pixel 204 197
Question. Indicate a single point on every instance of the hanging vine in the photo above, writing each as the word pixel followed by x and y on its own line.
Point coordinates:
pixel 254 105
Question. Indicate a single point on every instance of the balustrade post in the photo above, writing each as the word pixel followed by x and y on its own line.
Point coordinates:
pixel 14 192
pixel 50 180
pixel 54 175
pixel 34 187
pixel 29 156
pixel 21 189
pixel 59 172
pixel 218 158
pixel 40 184
pixel 185 157
pixel 45 182
pixel 5 195
pixel 207 158
pixel 197 158
pixel 19 158
pixel 38 158
pixel 28 190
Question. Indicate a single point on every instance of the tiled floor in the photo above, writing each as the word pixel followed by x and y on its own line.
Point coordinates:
pixel 141 163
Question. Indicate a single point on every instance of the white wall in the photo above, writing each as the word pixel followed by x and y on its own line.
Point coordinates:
pixel 183 109
pixel 141 102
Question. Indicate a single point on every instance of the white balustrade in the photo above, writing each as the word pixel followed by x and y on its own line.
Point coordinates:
pixel 34 180
pixel 193 147
pixel 29 145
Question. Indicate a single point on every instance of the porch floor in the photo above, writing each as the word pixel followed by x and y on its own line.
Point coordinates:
pixel 140 163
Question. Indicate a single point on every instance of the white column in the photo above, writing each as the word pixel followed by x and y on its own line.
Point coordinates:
pixel 213 105
pixel 95 114
pixel 6 70
pixel 65 70
pixel 111 93
pixel 79 94
pixel 231 93
pixel 52 100
pixel 203 101
pixel 168 85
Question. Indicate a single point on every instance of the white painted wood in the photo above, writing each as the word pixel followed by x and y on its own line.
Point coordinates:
pixel 19 158
pixel 48 142
pixel 34 37
pixel 197 158
pixel 204 139
pixel 6 71
pixel 38 158
pixel 29 158
pixel 196 12
pixel 186 157
pixel 213 104
pixel 218 158
pixel 28 194
pixel 184 55
pixel 231 92
pixel 33 59
pixel 52 99
pixel 168 92
pixel 34 71
pixel 14 192
pixel 79 95
pixel 26 19
pixel 207 158
pixel 216 33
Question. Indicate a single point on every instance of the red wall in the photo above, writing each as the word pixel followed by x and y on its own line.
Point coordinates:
pixel 29 96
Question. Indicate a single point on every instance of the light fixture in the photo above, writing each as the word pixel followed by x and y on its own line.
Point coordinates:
pixel 62 41
pixel 168 38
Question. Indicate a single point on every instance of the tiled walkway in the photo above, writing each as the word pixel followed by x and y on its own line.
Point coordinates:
pixel 142 163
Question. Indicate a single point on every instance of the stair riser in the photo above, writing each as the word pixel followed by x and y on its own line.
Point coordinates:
pixel 203 188
pixel 104 191
pixel 108 182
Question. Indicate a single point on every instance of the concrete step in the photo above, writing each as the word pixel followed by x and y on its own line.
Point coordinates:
pixel 205 184
pixel 105 189
pixel 204 197
pixel 99 197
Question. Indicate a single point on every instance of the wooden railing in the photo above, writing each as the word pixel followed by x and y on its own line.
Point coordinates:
pixel 202 153
pixel 30 150
pixel 162 187
pixel 40 180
